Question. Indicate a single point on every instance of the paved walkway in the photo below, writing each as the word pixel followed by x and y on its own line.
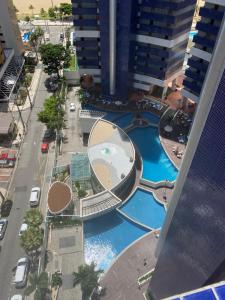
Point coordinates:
pixel 66 254
pixel 32 91
pixel 121 279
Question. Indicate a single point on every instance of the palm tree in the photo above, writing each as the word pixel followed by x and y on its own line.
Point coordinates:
pixel 31 240
pixel 33 217
pixel 31 7
pixel 56 279
pixel 87 277
pixel 38 284
pixel 15 9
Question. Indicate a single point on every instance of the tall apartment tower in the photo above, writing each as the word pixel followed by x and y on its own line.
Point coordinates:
pixel 11 49
pixel 10 36
pixel 129 44
pixel 208 28
pixel 191 248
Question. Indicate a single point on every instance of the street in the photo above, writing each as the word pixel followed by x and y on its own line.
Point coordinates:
pixel 29 172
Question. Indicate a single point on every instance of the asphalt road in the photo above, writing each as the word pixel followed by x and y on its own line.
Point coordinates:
pixel 29 173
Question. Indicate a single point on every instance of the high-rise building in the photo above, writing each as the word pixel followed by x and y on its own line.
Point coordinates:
pixel 10 36
pixel 11 49
pixel 129 45
pixel 191 245
pixel 208 28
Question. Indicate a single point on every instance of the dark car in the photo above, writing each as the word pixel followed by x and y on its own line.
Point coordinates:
pixel 51 83
pixel 3 226
pixel 6 208
pixel 49 135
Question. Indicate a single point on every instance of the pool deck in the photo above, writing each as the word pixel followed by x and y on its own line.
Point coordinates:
pixel 121 281
pixel 168 146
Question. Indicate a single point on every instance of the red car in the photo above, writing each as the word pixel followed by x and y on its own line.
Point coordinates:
pixel 44 147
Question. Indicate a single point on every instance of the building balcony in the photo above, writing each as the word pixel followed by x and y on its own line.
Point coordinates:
pixel 9 74
pixel 211 14
pixel 168 4
pixel 204 41
pixel 207 28
pixel 202 66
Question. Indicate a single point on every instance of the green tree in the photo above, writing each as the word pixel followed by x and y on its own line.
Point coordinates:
pixel 33 217
pixel 31 240
pixel 31 7
pixel 51 13
pixel 38 284
pixel 27 19
pixel 87 277
pixel 81 193
pixel 43 13
pixel 65 9
pixel 56 279
pixel 52 115
pixel 15 9
pixel 54 57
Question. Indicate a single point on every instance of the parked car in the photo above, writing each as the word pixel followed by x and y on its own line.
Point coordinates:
pixel 72 106
pixel 44 147
pixel 61 36
pixel 17 297
pixel 22 270
pixel 49 135
pixel 51 83
pixel 35 196
pixel 23 228
pixel 6 208
pixel 3 226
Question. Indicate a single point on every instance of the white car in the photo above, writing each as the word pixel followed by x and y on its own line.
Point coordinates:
pixel 22 270
pixel 35 196
pixel 23 228
pixel 72 106
pixel 17 297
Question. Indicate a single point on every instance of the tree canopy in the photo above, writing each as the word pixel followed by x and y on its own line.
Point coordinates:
pixel 65 9
pixel 33 217
pixel 39 284
pixel 54 57
pixel 31 239
pixel 52 115
pixel 87 277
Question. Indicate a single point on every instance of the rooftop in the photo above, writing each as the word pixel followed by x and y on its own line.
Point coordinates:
pixel 111 153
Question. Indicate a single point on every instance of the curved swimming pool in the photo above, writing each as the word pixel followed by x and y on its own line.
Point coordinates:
pixel 156 164
pixel 106 236
pixel 143 208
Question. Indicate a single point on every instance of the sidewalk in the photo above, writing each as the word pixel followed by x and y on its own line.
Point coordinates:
pixel 48 22
pixel 32 91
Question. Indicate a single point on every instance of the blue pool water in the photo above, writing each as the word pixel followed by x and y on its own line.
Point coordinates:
pixel 156 164
pixel 143 207
pixel 152 118
pixel 26 36
pixel 106 236
pixel 124 120
pixel 192 34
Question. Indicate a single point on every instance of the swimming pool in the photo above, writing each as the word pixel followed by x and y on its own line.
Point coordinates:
pixel 151 118
pixel 192 34
pixel 156 164
pixel 143 207
pixel 106 236
pixel 26 36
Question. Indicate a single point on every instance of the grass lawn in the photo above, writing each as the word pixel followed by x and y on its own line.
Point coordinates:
pixel 73 63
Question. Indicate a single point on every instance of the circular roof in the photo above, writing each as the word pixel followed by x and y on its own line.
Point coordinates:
pixel 111 153
pixel 59 197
